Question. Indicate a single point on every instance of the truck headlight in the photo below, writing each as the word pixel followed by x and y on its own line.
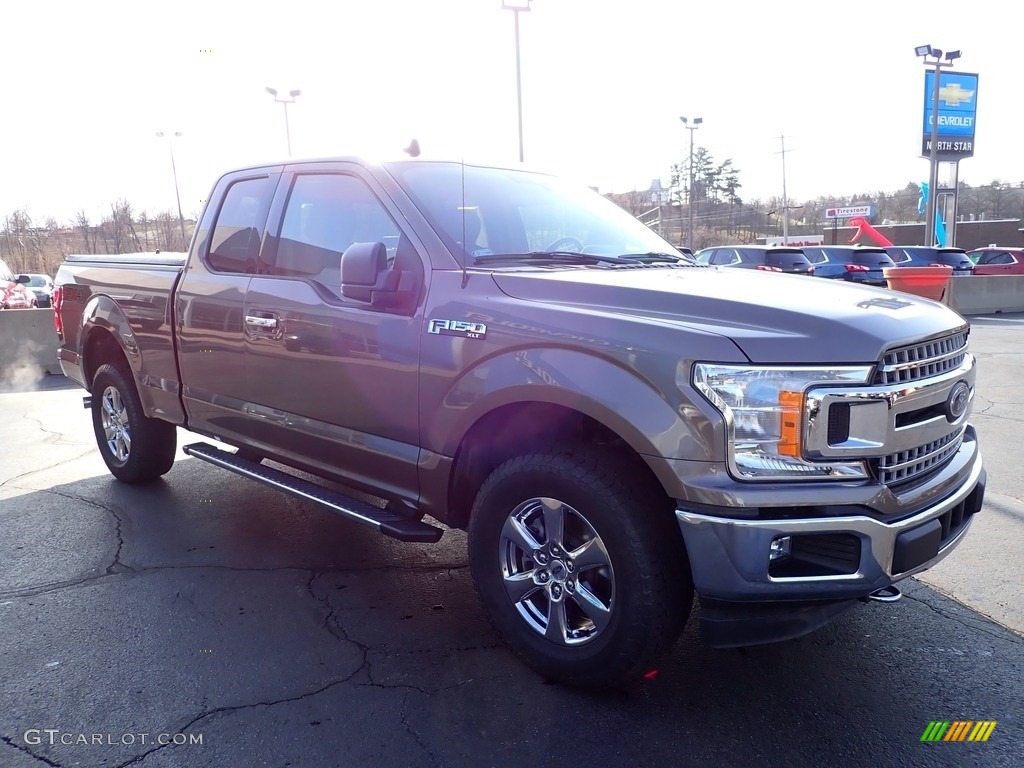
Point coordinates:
pixel 764 411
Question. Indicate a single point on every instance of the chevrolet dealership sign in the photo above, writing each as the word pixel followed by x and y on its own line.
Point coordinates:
pixel 957 115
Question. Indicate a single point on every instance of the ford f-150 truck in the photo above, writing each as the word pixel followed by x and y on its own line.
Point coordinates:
pixel 618 428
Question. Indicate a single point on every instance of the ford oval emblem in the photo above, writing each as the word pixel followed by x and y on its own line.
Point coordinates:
pixel 956 403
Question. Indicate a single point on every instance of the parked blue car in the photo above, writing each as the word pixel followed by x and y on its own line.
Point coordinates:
pixel 856 264
pixel 931 256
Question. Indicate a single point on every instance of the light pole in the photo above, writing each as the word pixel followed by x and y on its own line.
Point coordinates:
pixel 926 51
pixel 689 197
pixel 286 102
pixel 785 200
pixel 517 7
pixel 177 195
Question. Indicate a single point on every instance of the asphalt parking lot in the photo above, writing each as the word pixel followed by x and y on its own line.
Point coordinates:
pixel 244 628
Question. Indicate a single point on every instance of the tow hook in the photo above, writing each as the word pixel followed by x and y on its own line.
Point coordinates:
pixel 888 594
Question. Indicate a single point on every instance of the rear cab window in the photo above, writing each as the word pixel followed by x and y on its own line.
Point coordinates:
pixel 236 235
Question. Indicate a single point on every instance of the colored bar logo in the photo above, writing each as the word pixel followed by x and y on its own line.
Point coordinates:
pixel 958 730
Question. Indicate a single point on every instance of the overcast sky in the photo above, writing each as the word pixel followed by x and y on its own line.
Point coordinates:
pixel 604 84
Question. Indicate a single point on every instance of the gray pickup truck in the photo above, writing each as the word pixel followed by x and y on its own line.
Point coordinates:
pixel 618 428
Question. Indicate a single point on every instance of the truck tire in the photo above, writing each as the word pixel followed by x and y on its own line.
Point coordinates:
pixel 135 448
pixel 577 568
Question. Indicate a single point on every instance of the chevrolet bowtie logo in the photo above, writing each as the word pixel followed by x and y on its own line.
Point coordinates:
pixel 953 95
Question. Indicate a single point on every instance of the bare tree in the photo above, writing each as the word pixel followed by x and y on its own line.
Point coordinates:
pixel 82 224
pixel 166 230
pixel 119 228
pixel 996 199
pixel 144 223
pixel 18 238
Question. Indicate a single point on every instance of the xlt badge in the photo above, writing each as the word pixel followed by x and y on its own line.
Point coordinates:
pixel 463 328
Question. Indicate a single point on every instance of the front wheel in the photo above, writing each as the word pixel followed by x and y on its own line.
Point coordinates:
pixel 581 571
pixel 135 448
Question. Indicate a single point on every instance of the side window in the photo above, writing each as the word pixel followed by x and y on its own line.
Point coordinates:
pixel 722 256
pixel 326 213
pixel 236 234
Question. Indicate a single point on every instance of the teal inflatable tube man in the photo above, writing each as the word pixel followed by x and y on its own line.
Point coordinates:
pixel 940 228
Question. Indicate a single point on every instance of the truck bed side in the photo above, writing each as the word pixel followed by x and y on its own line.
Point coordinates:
pixel 122 302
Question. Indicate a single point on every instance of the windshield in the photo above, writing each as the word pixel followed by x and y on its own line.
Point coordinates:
pixel 485 213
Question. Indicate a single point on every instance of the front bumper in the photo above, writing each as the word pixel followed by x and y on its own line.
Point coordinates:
pixel 747 598
pixel 730 558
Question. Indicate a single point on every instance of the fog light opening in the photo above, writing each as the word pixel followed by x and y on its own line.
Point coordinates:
pixel 780 548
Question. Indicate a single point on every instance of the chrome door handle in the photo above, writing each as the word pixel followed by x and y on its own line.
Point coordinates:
pixel 261 322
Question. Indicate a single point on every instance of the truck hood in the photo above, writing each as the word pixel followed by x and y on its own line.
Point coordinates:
pixel 772 318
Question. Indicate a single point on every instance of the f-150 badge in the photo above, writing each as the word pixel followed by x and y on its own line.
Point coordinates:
pixel 462 328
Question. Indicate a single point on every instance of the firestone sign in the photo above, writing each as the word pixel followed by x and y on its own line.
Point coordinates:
pixel 957 115
pixel 867 211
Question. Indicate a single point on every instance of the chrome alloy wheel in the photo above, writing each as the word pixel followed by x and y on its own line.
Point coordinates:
pixel 556 571
pixel 114 416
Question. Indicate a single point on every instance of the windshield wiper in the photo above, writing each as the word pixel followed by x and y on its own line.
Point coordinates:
pixel 653 257
pixel 572 257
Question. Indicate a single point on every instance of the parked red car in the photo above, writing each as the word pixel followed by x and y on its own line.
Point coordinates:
pixel 998 261
pixel 13 291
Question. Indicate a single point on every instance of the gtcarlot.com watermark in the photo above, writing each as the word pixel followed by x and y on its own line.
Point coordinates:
pixel 54 736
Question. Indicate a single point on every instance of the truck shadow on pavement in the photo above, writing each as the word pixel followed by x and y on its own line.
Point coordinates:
pixel 280 634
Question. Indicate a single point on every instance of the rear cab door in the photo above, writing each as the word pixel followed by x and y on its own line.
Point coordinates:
pixel 209 299
pixel 332 379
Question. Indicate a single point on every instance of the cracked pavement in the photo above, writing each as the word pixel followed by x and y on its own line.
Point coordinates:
pixel 281 635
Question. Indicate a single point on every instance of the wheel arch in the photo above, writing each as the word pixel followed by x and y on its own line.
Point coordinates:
pixel 107 337
pixel 539 397
pixel 528 426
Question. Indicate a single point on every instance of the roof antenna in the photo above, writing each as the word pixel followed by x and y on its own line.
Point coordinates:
pixel 413 150
pixel 465 249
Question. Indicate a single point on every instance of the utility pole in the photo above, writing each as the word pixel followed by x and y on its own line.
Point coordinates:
pixel 785 202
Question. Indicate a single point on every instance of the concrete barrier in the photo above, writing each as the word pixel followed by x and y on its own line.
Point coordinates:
pixel 986 294
pixel 28 346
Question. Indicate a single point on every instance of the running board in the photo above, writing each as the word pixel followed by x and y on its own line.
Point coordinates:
pixel 388 523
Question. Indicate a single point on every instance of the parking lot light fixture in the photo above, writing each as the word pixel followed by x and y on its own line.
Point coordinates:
pixel 926 52
pixel 689 198
pixel 285 102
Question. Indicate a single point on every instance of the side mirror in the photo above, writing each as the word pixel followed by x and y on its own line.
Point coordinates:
pixel 365 275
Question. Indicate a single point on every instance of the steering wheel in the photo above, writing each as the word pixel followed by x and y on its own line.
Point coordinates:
pixel 564 243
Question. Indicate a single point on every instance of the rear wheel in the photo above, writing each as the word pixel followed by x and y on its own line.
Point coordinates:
pixel 135 448
pixel 582 573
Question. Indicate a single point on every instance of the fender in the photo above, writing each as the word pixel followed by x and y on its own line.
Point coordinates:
pixel 650 421
pixel 160 396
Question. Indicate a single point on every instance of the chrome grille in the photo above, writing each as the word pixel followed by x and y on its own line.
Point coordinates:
pixel 902 467
pixel 924 360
